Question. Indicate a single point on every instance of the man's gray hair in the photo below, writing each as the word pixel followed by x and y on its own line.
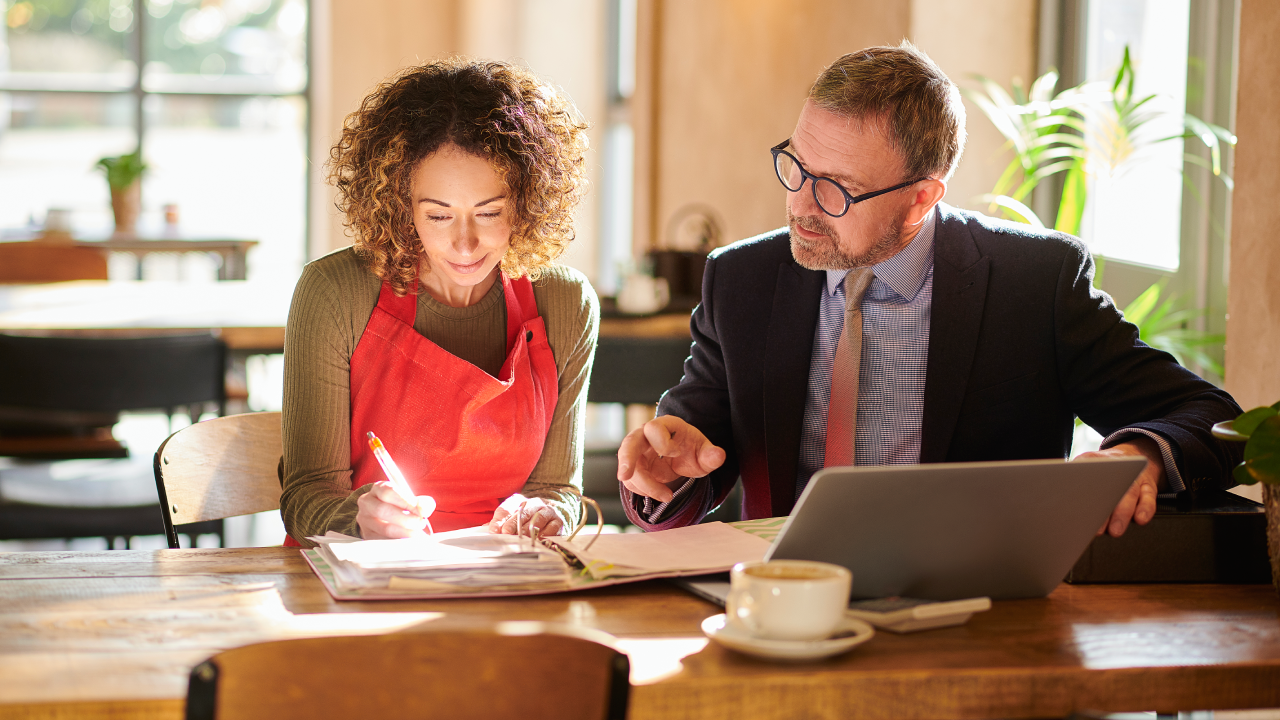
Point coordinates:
pixel 899 88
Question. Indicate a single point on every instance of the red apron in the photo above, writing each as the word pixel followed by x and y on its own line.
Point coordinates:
pixel 460 435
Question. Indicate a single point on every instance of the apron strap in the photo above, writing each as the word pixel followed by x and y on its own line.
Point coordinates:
pixel 404 309
pixel 521 307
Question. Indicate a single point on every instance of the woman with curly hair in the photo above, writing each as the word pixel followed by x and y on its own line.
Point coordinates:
pixel 445 328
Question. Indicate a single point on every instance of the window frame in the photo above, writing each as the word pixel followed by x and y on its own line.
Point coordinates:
pixel 136 45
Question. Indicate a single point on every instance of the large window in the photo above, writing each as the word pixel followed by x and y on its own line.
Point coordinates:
pixel 214 93
pixel 1134 211
pixel 1165 218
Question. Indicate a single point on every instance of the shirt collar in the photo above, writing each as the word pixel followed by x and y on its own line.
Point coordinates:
pixel 904 272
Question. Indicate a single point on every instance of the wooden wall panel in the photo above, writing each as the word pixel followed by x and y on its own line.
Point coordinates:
pixel 994 38
pixel 1253 304
pixel 363 42
pixel 729 77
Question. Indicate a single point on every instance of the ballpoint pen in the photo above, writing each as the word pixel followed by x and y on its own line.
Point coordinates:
pixel 398 483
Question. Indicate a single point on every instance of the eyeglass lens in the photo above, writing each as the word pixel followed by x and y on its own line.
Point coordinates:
pixel 825 191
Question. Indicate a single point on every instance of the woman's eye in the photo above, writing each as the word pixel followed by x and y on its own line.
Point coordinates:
pixel 491 214
pixel 437 218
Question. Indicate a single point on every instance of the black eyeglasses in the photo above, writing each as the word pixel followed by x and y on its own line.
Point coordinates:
pixel 833 199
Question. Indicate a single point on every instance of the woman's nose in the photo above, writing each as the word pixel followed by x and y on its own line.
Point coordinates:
pixel 467 239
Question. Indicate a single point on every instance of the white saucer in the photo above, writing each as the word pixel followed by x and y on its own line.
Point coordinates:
pixel 849 633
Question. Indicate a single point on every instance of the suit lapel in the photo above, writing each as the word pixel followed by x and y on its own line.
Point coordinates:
pixel 788 350
pixel 960 275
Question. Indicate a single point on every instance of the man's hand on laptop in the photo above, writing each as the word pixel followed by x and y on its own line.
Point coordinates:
pixel 1139 503
pixel 662 453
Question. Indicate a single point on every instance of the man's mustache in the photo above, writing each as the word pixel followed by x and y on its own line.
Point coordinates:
pixel 811 223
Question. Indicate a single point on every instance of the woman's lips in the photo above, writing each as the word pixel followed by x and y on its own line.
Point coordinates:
pixel 466 269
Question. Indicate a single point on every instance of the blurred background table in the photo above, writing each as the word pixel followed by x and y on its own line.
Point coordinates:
pixel 231 253
pixel 247 316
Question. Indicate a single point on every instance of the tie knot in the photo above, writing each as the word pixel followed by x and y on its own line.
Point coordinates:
pixel 856 284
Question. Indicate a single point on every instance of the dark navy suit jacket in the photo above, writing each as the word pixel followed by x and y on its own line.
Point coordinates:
pixel 1019 344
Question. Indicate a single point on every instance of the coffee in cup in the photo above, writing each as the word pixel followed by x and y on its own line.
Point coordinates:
pixel 787 599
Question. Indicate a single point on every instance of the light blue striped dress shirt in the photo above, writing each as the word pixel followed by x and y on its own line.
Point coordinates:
pixel 895 353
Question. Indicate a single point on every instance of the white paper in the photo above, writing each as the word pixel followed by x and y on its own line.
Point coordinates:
pixel 710 547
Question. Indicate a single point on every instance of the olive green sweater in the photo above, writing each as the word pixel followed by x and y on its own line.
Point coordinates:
pixel 332 304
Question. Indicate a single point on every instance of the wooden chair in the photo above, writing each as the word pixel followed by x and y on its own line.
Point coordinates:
pixel 515 670
pixel 38 261
pixel 219 468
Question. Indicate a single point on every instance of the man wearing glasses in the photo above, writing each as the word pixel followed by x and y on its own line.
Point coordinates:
pixel 883 326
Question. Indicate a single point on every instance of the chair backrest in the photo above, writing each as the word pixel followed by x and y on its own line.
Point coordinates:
pixel 41 262
pixel 542 671
pixel 111 374
pixel 219 468
pixel 636 370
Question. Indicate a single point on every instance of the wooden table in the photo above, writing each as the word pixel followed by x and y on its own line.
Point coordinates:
pixel 248 316
pixel 114 634
pixel 232 253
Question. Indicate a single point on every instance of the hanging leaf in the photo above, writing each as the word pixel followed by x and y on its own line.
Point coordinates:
pixel 1136 311
pixel 1071 209
pixel 1261 455
pixel 1246 423
pixel 1015 209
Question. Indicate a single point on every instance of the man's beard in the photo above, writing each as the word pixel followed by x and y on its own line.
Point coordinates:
pixel 826 254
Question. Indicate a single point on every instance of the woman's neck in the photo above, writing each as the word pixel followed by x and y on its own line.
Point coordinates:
pixel 453 294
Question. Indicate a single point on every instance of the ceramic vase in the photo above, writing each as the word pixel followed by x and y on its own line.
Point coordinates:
pixel 126 204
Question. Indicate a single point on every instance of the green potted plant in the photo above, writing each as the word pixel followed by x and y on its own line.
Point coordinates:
pixel 124 175
pixel 1259 429
pixel 1097 129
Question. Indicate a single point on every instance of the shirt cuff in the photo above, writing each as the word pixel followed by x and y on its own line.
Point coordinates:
pixel 1176 485
pixel 653 511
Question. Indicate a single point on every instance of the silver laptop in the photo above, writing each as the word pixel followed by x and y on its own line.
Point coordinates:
pixel 949 531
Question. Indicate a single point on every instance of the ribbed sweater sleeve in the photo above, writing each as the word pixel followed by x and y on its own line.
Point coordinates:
pixel 332 304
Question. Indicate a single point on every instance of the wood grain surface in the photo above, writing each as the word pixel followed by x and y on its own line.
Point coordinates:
pixel 115 633
pixel 222 468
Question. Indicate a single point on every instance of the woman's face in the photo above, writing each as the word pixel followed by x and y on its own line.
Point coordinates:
pixel 460 210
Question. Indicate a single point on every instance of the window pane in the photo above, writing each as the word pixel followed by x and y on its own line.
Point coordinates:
pixel 236 168
pixel 49 144
pixel 66 45
pixel 1134 212
pixel 233 46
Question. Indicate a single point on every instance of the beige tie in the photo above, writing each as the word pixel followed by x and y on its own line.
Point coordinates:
pixel 842 412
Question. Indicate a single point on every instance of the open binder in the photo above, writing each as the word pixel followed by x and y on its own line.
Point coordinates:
pixel 472 563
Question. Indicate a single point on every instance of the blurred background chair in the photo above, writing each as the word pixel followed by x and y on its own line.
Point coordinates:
pixel 38 261
pixel 58 402
pixel 516 670
pixel 217 469
pixel 633 371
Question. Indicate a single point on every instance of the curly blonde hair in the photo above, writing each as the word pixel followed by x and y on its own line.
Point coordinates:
pixel 533 135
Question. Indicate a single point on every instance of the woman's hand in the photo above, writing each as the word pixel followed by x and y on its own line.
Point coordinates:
pixel 385 514
pixel 533 512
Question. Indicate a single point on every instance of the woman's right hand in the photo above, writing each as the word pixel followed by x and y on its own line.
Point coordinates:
pixel 385 514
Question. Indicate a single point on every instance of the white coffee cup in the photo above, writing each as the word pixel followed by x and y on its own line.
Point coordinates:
pixel 642 294
pixel 57 220
pixel 787 599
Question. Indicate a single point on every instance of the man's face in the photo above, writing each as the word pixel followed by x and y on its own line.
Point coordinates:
pixel 856 155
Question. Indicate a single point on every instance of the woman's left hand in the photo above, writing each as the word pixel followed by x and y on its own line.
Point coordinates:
pixel 533 512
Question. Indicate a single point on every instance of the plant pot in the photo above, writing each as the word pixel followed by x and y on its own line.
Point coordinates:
pixel 1271 498
pixel 126 204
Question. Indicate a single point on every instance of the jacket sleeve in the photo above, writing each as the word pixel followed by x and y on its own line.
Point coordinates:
pixel 702 400
pixel 1114 381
